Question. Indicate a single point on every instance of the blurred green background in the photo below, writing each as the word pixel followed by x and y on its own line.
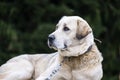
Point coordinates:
pixel 25 25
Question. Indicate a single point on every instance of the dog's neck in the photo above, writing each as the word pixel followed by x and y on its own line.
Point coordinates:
pixel 82 61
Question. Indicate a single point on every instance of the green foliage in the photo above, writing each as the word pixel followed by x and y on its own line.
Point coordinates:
pixel 25 25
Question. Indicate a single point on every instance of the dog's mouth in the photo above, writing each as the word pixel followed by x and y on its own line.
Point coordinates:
pixel 57 47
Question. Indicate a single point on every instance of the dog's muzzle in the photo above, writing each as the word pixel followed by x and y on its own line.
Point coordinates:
pixel 53 44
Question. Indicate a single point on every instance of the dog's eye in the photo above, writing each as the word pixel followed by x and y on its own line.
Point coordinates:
pixel 66 29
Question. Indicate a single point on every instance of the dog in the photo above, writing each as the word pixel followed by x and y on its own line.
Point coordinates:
pixel 77 56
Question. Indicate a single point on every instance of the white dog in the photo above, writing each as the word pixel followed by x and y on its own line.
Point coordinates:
pixel 77 58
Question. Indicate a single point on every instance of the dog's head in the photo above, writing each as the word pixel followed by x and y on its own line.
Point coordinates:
pixel 70 32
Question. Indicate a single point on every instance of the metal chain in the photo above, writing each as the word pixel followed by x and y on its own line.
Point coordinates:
pixel 55 70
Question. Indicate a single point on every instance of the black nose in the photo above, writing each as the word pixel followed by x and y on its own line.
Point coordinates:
pixel 51 38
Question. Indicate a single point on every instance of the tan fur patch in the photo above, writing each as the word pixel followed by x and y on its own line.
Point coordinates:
pixel 82 30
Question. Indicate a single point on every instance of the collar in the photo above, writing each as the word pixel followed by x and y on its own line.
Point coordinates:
pixel 90 47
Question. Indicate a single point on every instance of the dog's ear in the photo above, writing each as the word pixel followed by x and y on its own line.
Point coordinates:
pixel 83 29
